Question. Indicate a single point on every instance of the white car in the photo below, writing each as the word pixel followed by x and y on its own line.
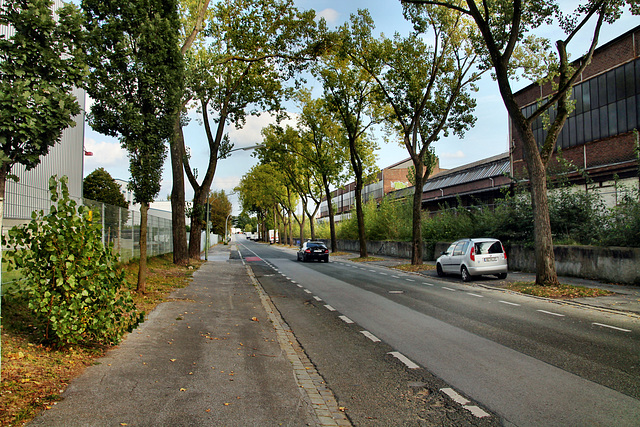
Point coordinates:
pixel 473 257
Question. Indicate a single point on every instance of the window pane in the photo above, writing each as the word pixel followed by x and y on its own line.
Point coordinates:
pixel 637 75
pixel 593 92
pixel 579 138
pixel 611 86
pixel 587 127
pixel 595 124
pixel 620 84
pixel 604 122
pixel 630 79
pixel 613 119
pixel 602 90
pixel 586 96
pixel 572 131
pixel 621 110
pixel 632 122
pixel 577 95
pixel 564 134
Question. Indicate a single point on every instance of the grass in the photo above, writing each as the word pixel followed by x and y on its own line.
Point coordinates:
pixel 415 268
pixel 34 375
pixel 557 292
pixel 366 259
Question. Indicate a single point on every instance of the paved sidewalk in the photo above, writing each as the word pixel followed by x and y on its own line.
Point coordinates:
pixel 214 354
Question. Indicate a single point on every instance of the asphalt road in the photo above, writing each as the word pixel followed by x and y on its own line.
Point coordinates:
pixel 521 360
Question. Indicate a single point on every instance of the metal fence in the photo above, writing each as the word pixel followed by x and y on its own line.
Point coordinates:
pixel 119 226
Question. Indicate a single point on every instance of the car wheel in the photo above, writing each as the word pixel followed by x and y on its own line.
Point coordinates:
pixel 465 274
pixel 439 270
pixel 326 259
pixel 298 257
pixel 502 276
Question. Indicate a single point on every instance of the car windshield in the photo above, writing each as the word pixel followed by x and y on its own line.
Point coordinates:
pixel 483 248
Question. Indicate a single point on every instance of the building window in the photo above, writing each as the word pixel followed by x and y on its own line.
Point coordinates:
pixel 605 105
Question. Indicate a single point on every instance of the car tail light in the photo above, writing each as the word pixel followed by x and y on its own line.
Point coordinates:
pixel 308 251
pixel 472 255
pixel 503 251
pixel 326 251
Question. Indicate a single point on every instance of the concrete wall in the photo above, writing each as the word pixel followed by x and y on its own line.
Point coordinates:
pixel 610 264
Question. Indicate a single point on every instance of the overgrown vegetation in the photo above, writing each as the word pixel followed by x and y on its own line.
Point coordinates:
pixel 33 373
pixel 578 217
pixel 69 281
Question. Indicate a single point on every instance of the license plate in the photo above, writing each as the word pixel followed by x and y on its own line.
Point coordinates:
pixel 491 259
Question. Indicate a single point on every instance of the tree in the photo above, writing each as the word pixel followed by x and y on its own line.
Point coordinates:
pixel 252 47
pixel 281 147
pixel 425 102
pixel 40 65
pixel 101 187
pixel 321 149
pixel 259 191
pixel 508 46
pixel 349 94
pixel 193 14
pixel 135 81
pixel 219 209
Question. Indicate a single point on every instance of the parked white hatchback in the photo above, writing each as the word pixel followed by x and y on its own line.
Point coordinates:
pixel 473 257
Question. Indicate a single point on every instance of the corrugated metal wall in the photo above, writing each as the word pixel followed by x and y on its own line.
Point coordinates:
pixel 65 158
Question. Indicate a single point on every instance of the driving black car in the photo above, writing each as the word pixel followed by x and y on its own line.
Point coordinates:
pixel 313 250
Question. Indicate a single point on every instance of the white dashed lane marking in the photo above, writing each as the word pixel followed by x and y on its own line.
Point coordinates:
pixel 510 303
pixel 328 307
pixel 449 289
pixel 345 319
pixel 612 327
pixel 475 295
pixel 370 336
pixel 551 313
pixel 404 359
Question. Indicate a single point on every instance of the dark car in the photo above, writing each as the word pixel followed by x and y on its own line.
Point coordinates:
pixel 313 250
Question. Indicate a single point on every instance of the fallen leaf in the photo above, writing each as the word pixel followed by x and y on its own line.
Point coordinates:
pixel 227 404
pixel 173 360
pixel 207 410
pixel 183 389
pixel 255 319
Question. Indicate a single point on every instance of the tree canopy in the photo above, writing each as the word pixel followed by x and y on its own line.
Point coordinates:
pixel 101 187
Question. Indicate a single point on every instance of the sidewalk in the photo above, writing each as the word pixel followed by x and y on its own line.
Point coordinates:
pixel 216 354
pixel 626 299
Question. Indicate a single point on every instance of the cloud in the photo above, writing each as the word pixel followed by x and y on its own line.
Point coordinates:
pixel 457 155
pixel 105 153
pixel 226 183
pixel 330 15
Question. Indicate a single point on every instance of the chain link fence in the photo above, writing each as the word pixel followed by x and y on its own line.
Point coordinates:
pixel 120 226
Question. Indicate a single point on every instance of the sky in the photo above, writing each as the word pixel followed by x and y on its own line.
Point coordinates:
pixel 489 136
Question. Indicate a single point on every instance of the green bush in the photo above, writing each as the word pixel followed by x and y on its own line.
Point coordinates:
pixel 70 280
pixel 622 223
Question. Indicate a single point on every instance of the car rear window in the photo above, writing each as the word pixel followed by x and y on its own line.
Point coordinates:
pixel 483 248
pixel 315 245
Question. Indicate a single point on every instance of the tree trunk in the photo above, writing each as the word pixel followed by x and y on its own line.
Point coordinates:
pixel 142 269
pixel 197 221
pixel 332 223
pixel 290 236
pixel 360 218
pixel 416 245
pixel 179 228
pixel 545 258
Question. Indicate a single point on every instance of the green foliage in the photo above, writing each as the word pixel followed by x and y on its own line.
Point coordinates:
pixel 40 66
pixel 622 223
pixel 70 280
pixel 220 207
pixel 136 81
pixel 101 187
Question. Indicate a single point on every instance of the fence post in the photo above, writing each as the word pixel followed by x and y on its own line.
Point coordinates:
pixel 102 220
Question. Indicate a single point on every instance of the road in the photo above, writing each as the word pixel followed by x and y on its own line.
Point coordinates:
pixel 524 361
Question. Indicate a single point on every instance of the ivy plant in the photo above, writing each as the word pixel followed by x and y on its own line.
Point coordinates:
pixel 70 280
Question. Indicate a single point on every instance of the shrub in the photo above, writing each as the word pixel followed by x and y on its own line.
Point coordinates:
pixel 622 224
pixel 69 278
